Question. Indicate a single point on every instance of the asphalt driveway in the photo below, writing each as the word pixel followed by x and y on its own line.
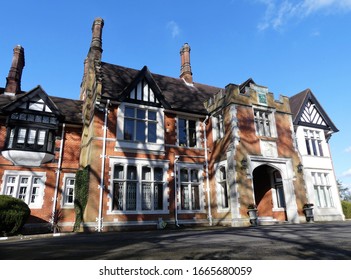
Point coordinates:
pixel 317 241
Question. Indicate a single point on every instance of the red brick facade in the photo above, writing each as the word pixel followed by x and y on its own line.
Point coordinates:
pixel 159 150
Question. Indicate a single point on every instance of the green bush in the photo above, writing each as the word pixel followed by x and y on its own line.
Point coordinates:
pixel 13 214
pixel 346 208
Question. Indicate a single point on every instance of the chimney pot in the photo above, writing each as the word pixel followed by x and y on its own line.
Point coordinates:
pixel 185 68
pixel 13 80
pixel 96 41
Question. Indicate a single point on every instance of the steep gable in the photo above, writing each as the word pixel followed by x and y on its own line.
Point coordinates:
pixel 143 89
pixel 307 111
pixel 37 100
pixel 34 100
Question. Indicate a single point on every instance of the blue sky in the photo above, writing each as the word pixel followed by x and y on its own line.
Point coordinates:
pixel 286 45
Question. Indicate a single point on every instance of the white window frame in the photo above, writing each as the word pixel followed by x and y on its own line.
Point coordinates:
pixel 66 189
pixel 189 183
pixel 138 181
pixel 314 142
pixel 221 193
pixel 32 188
pixel 264 122
pixel 218 128
pixel 149 124
pixel 121 143
pixel 322 190
pixel 197 132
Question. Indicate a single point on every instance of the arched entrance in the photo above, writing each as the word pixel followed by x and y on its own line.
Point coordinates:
pixel 269 193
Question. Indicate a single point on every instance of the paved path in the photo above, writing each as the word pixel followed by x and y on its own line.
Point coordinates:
pixel 318 241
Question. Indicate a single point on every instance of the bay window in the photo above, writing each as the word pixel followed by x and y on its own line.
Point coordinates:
pixel 31 139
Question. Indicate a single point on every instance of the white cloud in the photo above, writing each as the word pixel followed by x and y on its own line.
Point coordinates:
pixel 280 12
pixel 329 6
pixel 346 173
pixel 348 150
pixel 174 28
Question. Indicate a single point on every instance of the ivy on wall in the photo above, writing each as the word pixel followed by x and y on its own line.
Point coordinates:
pixel 81 191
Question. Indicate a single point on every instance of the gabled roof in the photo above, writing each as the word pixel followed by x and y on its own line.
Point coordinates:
pixel 116 80
pixel 245 84
pixel 307 111
pixel 70 110
pixel 30 95
pixel 144 73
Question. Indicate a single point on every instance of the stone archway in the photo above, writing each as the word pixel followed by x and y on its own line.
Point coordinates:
pixel 269 193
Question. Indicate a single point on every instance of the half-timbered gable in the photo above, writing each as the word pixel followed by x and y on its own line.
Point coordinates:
pixel 308 112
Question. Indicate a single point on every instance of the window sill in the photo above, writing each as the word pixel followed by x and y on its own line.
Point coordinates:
pixel 278 209
pixel 67 206
pixel 223 210
pixel 266 138
pixel 313 156
pixel 143 212
pixel 191 211
pixel 153 147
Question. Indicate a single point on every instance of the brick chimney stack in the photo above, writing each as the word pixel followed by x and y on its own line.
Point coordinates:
pixel 185 69
pixel 96 41
pixel 13 80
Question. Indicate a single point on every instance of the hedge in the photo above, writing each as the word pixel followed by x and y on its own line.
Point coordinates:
pixel 346 208
pixel 13 214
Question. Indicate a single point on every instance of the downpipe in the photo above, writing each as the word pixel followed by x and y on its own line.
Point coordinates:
pixel 103 159
pixel 54 217
pixel 207 175
pixel 176 191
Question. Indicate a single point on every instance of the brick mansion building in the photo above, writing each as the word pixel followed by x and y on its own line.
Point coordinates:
pixel 143 149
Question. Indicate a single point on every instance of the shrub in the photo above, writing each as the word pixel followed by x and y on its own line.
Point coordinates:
pixel 346 208
pixel 81 191
pixel 13 214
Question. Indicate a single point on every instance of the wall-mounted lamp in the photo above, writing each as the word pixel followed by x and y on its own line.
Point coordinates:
pixel 300 168
pixel 244 163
